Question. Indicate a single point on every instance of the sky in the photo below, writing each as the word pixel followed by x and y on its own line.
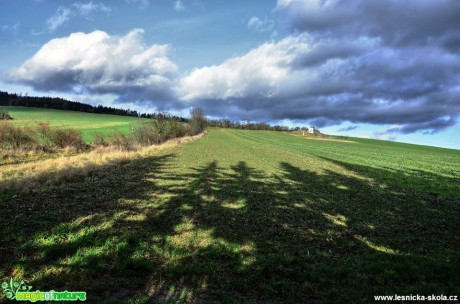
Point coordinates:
pixel 384 69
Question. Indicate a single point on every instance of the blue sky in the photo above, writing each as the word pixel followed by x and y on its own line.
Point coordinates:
pixel 358 68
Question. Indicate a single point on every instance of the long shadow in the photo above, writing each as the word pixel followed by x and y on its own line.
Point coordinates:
pixel 432 184
pixel 149 232
pixel 413 238
pixel 328 234
pixel 41 227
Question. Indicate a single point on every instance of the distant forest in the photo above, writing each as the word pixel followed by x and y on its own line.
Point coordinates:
pixel 12 99
pixel 250 125
pixel 247 125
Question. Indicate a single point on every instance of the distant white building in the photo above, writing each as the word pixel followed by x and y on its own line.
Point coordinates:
pixel 312 130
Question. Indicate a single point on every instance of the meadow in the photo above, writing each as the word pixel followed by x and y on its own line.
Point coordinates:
pixel 87 123
pixel 237 217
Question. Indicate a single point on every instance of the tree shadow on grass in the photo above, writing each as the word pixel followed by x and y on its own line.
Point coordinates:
pixel 147 231
pixel 409 179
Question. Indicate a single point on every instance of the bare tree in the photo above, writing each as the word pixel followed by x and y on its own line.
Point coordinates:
pixel 197 121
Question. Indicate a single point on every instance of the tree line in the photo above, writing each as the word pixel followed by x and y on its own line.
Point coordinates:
pixel 249 125
pixel 13 99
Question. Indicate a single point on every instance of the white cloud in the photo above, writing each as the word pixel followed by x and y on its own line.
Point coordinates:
pixel 266 72
pixel 293 67
pixel 35 32
pixel 61 16
pixel 90 7
pixel 261 25
pixel 99 63
pixel 11 28
pixel 179 6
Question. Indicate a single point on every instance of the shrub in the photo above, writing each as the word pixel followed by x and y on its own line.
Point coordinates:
pixel 168 127
pixel 146 134
pixel 41 135
pixel 99 139
pixel 4 114
pixel 43 130
pixel 65 137
pixel 176 129
pixel 123 141
pixel 16 137
pixel 197 121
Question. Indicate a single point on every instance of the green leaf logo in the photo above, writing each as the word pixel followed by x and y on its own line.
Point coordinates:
pixel 10 289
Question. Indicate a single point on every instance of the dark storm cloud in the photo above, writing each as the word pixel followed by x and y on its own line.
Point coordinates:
pixel 430 127
pixel 363 61
pixel 397 23
pixel 349 128
pixel 383 62
pixel 322 51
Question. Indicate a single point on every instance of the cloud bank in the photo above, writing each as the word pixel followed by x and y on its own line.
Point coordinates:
pixel 378 62
pixel 99 63
pixel 360 61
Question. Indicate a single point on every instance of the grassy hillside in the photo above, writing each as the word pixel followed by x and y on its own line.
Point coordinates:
pixel 87 123
pixel 242 216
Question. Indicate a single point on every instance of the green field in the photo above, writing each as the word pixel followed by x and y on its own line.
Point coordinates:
pixel 87 123
pixel 245 217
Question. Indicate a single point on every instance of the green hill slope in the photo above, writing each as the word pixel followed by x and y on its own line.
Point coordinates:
pixel 87 123
pixel 245 216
